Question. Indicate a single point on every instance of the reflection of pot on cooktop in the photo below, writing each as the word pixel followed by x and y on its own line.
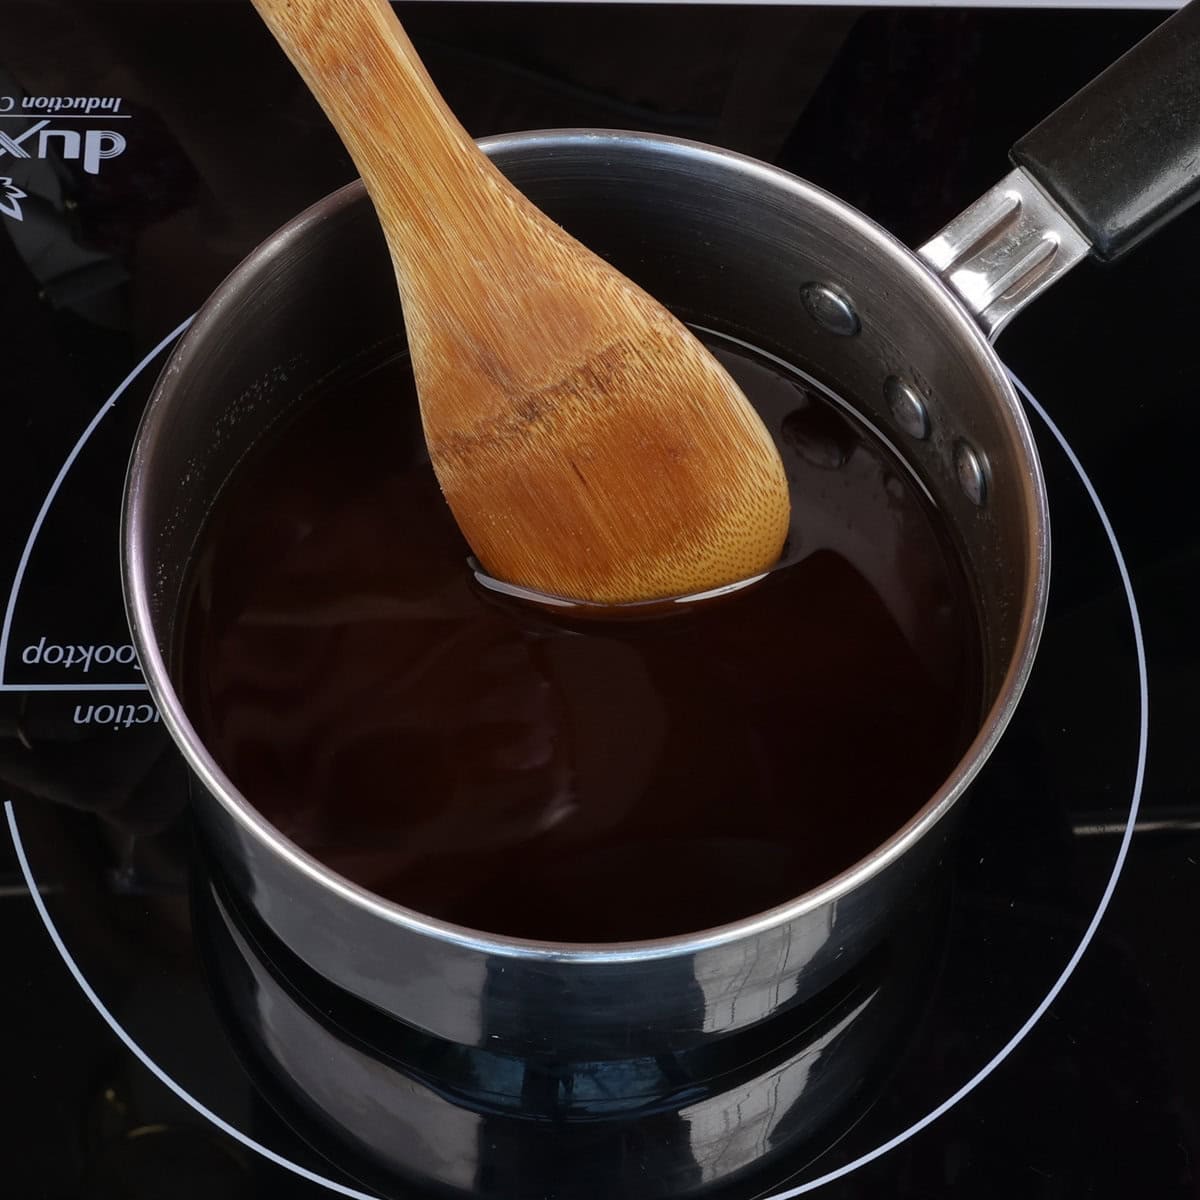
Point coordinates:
pixel 388 1103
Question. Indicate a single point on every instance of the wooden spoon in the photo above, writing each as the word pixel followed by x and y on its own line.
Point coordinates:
pixel 587 444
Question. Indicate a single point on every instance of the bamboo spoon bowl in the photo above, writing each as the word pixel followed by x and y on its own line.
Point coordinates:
pixel 588 445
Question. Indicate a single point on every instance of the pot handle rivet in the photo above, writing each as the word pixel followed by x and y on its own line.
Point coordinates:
pixel 971 468
pixel 906 406
pixel 830 308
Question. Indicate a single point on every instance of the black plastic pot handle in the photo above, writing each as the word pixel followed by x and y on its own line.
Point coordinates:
pixel 1122 156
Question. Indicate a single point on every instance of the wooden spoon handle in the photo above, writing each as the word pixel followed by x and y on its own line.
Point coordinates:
pixel 587 444
pixel 412 153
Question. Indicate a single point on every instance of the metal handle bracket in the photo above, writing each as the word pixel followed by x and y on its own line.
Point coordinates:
pixel 1005 250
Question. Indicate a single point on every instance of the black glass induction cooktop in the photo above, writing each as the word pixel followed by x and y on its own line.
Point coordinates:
pixel 1030 1033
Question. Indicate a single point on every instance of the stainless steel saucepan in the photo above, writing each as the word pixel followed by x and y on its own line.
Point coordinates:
pixel 733 244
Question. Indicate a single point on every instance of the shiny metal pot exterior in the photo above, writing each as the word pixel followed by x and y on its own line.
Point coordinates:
pixel 490 1126
pixel 728 243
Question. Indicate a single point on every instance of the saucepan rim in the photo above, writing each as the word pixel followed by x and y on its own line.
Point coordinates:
pixel 137 572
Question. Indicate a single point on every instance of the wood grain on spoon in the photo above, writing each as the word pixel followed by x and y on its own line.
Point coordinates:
pixel 588 445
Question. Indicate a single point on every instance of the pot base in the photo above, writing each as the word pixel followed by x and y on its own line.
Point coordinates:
pixel 389 1104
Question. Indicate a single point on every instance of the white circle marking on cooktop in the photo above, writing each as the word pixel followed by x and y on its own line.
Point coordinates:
pixel 39 520
pixel 789 1194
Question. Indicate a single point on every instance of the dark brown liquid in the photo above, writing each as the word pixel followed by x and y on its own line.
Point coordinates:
pixel 533 775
